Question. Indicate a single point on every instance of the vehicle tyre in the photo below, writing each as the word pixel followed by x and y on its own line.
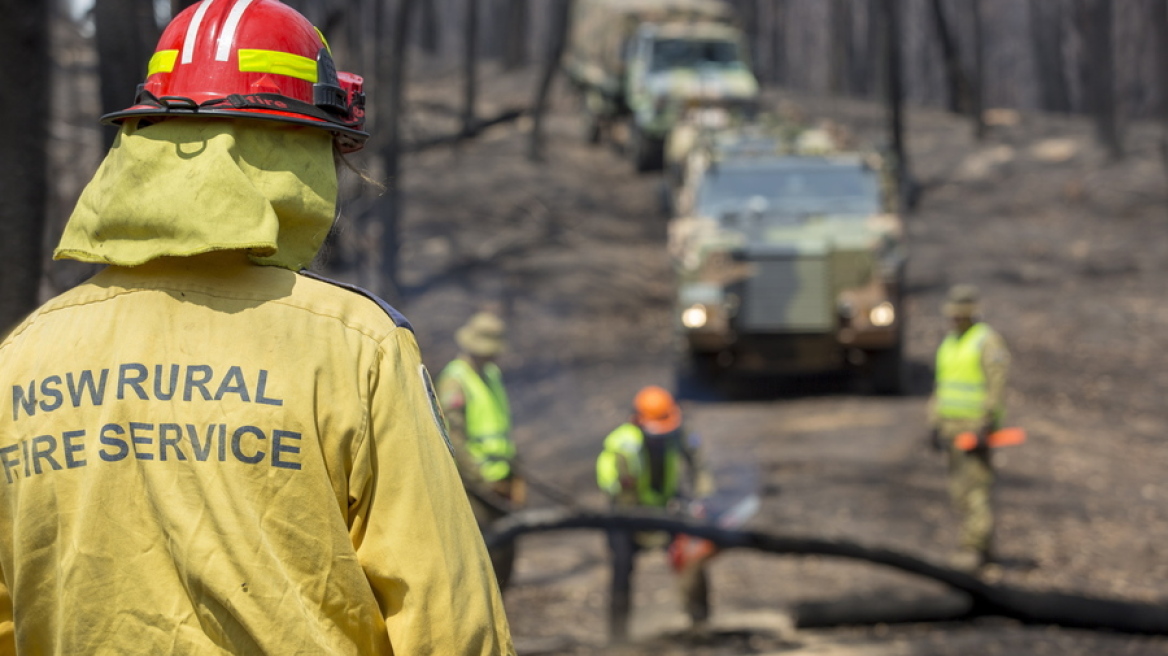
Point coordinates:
pixel 647 153
pixel 888 371
pixel 665 198
pixel 591 128
pixel 698 376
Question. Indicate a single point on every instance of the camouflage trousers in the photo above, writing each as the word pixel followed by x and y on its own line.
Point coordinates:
pixel 502 558
pixel 971 478
pixel 692 581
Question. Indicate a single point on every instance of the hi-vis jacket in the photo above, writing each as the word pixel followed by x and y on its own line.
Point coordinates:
pixel 970 380
pixel 487 417
pixel 654 468
pixel 204 456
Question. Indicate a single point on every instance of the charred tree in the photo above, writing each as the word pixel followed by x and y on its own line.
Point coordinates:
pixel 557 38
pixel 430 33
pixel 841 48
pixel 862 62
pixel 957 98
pixel 126 33
pixel 778 39
pixel 1097 68
pixel 515 34
pixel 391 149
pixel 875 49
pixel 977 73
pixel 24 185
pixel 1158 20
pixel 1046 38
pixel 470 56
pixel 894 102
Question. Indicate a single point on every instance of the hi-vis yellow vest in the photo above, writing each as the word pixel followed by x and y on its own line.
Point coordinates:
pixel 625 444
pixel 488 418
pixel 961 386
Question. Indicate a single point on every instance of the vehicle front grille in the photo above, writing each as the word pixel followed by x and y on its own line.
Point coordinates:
pixel 788 293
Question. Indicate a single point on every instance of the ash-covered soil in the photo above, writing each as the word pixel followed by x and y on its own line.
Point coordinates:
pixel 1069 250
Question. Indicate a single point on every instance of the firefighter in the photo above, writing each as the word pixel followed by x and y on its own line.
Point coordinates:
pixel 971 368
pixel 478 418
pixel 641 466
pixel 207 449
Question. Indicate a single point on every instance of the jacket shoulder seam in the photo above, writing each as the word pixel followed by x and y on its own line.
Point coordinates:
pixel 398 318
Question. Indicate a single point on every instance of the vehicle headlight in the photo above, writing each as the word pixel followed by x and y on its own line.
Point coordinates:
pixel 882 315
pixel 694 316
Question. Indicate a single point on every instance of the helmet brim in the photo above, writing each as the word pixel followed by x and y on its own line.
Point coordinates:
pixel 348 139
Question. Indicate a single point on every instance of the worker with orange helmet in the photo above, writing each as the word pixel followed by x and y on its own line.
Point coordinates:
pixel 641 466
pixel 206 449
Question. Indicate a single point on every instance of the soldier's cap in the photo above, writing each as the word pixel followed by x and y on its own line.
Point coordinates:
pixel 963 301
pixel 483 336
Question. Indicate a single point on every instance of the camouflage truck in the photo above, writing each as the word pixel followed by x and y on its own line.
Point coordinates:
pixel 641 64
pixel 790 259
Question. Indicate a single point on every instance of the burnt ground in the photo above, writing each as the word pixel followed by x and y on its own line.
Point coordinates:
pixel 1069 250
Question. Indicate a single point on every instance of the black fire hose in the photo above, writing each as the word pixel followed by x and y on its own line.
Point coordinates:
pixel 1027 606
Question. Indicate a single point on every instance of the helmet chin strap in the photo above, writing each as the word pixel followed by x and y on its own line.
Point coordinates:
pixel 276 101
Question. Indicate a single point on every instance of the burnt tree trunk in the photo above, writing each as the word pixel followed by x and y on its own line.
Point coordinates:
pixel 875 48
pixel 894 102
pixel 470 66
pixel 957 98
pixel 1046 38
pixel 24 184
pixel 976 77
pixel 840 60
pixel 515 34
pixel 430 33
pixel 391 202
pixel 1158 19
pixel 1094 18
pixel 862 64
pixel 126 33
pixel 557 38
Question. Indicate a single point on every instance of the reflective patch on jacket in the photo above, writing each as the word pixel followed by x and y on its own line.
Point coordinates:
pixel 435 407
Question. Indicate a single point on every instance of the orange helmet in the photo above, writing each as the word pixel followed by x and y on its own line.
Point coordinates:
pixel 250 59
pixel 656 410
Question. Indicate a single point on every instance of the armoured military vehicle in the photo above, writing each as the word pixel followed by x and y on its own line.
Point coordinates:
pixel 640 64
pixel 790 259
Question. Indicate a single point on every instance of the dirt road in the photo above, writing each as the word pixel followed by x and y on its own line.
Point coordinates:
pixel 1070 252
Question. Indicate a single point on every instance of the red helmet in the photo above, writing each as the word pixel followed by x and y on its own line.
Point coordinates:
pixel 250 58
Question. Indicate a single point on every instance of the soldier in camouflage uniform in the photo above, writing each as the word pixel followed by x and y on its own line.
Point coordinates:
pixel 972 364
pixel 478 420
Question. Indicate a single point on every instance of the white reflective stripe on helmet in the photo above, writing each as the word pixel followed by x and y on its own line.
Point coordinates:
pixel 188 53
pixel 227 36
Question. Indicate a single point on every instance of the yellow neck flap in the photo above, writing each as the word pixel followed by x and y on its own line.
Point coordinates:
pixel 190 186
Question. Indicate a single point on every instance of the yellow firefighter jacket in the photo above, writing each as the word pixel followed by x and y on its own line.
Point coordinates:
pixel 200 455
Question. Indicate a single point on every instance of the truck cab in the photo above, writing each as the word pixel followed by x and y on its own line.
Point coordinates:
pixel 672 68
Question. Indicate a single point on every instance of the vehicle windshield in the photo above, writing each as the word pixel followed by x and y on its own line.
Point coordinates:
pixel 832 189
pixel 688 53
